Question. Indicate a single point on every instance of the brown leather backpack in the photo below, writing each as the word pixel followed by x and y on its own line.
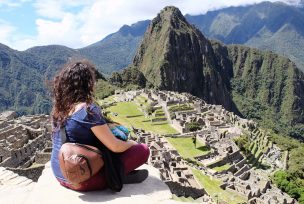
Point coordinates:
pixel 78 162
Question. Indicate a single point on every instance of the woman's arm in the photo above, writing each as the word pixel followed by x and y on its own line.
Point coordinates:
pixel 104 134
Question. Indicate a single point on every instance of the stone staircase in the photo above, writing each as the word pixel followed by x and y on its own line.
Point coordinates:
pixel 14 188
pixel 9 179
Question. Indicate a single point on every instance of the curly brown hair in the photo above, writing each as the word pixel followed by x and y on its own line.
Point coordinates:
pixel 73 84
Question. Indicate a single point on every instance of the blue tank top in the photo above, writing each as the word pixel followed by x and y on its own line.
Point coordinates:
pixel 78 129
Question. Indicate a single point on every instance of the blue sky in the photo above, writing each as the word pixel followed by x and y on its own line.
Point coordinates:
pixel 78 23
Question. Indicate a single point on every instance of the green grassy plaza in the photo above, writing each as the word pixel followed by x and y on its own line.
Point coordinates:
pixel 186 148
pixel 128 114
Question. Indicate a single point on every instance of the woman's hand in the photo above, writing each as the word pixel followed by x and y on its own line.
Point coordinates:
pixel 132 142
pixel 104 134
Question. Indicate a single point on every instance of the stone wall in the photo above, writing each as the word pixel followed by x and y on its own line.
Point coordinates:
pixel 31 173
pixel 42 157
pixel 185 191
pixel 158 119
pixel 229 158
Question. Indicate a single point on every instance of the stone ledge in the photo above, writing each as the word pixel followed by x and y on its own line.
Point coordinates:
pixel 152 190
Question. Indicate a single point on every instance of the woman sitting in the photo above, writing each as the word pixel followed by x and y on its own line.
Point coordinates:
pixel 74 109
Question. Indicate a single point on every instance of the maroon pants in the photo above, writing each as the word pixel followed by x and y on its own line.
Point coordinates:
pixel 132 158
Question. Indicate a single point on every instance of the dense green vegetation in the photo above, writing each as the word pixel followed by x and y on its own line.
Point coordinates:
pixel 291 181
pixel 21 83
pixel 104 89
pixel 243 143
pixel 290 184
pixel 268 88
pixel 130 78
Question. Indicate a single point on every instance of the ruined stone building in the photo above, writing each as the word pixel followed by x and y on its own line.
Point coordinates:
pixel 24 140
pixel 174 171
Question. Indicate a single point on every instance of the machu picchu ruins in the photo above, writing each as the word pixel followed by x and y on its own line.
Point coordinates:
pixel 25 141
pixel 218 129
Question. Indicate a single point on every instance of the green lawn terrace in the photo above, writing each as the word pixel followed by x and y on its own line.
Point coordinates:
pixel 150 108
pixel 222 168
pixel 187 148
pixel 180 109
pixel 106 102
pixel 130 115
pixel 212 186
pixel 144 109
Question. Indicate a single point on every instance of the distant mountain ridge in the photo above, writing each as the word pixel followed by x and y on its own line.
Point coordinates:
pixel 20 81
pixel 268 26
pixel 23 73
pixel 175 56
pixel 116 50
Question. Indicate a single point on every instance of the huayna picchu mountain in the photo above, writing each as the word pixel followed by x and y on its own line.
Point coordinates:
pixel 175 55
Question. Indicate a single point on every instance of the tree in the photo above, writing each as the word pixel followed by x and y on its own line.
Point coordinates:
pixel 194 140
pixel 149 109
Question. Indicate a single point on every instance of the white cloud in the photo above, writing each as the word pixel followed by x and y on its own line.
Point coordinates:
pixel 12 3
pixel 64 32
pixel 57 9
pixel 6 32
pixel 77 23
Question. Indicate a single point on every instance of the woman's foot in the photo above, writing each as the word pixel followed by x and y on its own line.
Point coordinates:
pixel 136 176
